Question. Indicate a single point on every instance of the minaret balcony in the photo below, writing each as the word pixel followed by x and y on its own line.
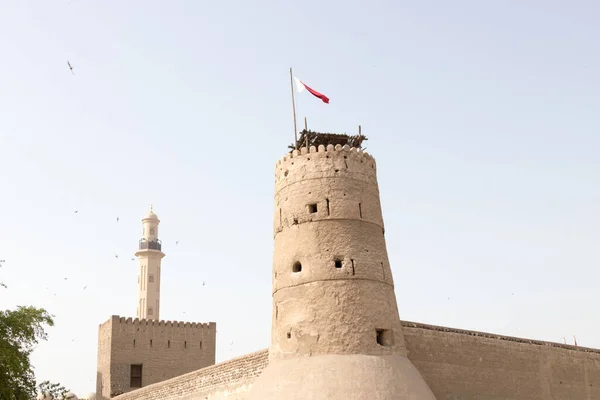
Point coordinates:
pixel 150 244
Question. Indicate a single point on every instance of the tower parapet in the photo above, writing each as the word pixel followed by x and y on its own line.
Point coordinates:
pixel 335 316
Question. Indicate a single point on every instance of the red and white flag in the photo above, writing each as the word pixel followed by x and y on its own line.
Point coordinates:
pixel 301 86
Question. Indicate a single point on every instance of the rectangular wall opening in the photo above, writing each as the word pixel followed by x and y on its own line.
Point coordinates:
pixel 312 208
pixel 385 337
pixel 135 376
pixel 338 263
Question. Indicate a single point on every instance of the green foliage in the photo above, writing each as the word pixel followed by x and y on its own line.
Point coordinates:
pixel 20 331
pixel 56 390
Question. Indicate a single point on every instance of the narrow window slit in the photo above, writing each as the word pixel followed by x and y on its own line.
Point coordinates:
pixel 169 344
pixel 328 212
pixel 360 209
pixel 353 271
pixel 150 342
pixel 185 344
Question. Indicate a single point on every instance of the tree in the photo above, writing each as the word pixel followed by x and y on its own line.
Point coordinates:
pixel 20 331
pixel 56 390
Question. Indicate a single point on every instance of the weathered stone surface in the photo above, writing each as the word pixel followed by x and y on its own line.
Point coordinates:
pixel 335 318
pixel 228 380
pixel 335 325
pixel 456 364
pixel 165 349
pixel 347 377
pixel 327 209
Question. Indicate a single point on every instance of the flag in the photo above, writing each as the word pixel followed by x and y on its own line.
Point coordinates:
pixel 301 86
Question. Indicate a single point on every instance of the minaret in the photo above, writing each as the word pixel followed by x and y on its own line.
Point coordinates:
pixel 149 256
pixel 336 331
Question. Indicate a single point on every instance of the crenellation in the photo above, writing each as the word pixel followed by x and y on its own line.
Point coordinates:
pixel 468 359
pixel 299 161
pixel 349 192
pixel 165 349
pixel 335 315
pixel 333 309
pixel 419 325
pixel 128 321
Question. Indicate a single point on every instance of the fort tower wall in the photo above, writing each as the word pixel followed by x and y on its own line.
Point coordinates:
pixel 335 317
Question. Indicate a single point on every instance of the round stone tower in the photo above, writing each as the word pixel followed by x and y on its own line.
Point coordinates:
pixel 336 332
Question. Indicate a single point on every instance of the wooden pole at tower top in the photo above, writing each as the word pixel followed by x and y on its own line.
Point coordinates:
pixel 294 110
pixel 306 132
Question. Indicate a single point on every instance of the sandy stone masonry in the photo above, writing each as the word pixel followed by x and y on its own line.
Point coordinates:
pixel 419 325
pixel 123 323
pixel 452 360
pixel 328 219
pixel 334 307
pixel 165 349
pixel 336 331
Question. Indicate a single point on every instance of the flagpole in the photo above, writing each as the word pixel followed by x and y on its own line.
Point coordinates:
pixel 294 110
pixel 306 132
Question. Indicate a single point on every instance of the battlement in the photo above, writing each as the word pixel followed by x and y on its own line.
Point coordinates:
pixel 117 320
pixel 165 349
pixel 419 325
pixel 325 161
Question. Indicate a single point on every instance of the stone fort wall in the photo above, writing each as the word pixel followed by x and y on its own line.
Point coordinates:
pixel 330 262
pixel 165 349
pixel 456 364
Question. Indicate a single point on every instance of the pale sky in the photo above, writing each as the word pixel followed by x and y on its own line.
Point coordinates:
pixel 482 116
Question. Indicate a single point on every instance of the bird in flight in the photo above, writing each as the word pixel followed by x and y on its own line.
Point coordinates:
pixel 75 212
pixel 70 67
pixel 116 256
pixel 117 219
pixel 176 243
pixel 84 287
